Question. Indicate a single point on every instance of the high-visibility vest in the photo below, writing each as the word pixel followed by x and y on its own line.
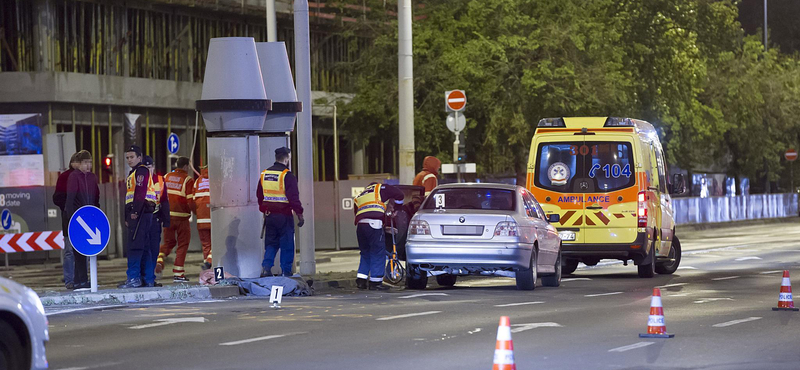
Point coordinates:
pixel 202 199
pixel 179 190
pixel 158 187
pixel 151 189
pixel 370 200
pixel 272 185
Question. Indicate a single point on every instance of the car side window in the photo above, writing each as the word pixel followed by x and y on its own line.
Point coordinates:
pixel 530 205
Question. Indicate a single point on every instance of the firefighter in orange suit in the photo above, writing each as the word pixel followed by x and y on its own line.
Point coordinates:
pixel 428 177
pixel 180 191
pixel 202 203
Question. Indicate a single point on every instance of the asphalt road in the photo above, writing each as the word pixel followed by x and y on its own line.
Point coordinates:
pixel 718 305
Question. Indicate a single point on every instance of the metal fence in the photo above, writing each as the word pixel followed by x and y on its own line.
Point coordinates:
pixel 736 208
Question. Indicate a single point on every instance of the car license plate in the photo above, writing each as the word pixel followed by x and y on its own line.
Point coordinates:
pixel 462 230
pixel 566 235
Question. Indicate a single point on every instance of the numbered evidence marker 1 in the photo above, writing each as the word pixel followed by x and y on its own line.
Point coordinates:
pixel 276 295
pixel 219 274
pixel 88 232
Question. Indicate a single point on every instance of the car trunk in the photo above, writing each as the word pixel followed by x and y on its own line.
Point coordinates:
pixel 461 224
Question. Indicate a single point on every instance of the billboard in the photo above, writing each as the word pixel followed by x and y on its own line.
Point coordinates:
pixel 21 159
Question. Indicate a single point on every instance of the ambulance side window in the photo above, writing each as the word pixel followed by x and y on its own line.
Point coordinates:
pixel 662 167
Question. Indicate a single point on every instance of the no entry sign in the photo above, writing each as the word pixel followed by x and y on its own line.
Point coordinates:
pixel 790 155
pixel 455 100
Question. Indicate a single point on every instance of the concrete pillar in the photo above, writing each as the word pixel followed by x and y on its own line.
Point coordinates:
pixel 44 11
pixel 405 81
pixel 358 160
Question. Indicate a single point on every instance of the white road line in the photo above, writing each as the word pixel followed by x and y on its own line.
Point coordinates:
pixel 771 272
pixel 408 315
pixel 630 347
pixel 679 295
pixel 575 279
pixel 602 294
pixel 687 268
pixel 421 295
pixel 83 309
pixel 671 285
pixel 517 304
pixel 251 340
pixel 519 328
pixel 106 364
pixel 725 278
pixel 747 258
pixel 706 300
pixel 734 322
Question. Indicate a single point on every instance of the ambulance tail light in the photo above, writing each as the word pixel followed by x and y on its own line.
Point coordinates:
pixel 642 210
pixel 552 122
pixel 618 122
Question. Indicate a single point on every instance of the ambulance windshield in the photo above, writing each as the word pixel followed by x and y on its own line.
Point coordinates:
pixel 585 167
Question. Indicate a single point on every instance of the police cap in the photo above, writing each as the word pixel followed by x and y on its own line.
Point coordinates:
pixel 147 161
pixel 136 149
pixel 282 152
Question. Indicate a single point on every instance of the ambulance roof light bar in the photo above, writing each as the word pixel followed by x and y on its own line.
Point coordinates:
pixel 552 122
pixel 618 122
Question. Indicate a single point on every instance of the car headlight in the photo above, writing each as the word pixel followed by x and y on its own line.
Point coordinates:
pixel 34 298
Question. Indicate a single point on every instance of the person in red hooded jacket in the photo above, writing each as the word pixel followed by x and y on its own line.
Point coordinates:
pixel 429 176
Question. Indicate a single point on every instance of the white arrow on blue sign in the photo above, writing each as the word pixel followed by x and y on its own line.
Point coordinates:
pixel 89 231
pixel 5 219
pixel 173 143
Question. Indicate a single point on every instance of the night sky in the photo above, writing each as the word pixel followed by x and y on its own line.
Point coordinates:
pixel 782 19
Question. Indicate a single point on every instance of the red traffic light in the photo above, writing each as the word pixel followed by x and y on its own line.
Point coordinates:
pixel 108 162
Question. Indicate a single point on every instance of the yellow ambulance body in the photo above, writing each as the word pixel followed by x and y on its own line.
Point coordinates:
pixel 606 178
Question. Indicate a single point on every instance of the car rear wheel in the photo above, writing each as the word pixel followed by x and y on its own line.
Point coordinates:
pixel 568 266
pixel 11 349
pixel 446 280
pixel 526 277
pixel 416 278
pixel 554 280
pixel 674 259
pixel 647 268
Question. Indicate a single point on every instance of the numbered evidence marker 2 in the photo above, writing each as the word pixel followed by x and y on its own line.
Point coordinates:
pixel 219 274
pixel 276 295
pixel 89 232
pixel 5 219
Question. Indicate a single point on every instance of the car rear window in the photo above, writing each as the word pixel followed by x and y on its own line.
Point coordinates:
pixel 472 198
pixel 585 167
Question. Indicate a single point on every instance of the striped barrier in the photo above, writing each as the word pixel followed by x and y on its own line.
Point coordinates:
pixel 31 242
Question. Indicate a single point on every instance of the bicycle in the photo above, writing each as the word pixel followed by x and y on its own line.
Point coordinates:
pixel 395 272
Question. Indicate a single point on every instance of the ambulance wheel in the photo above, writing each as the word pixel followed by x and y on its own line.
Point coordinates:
pixel 416 278
pixel 12 352
pixel 526 277
pixel 554 280
pixel 667 268
pixel 446 280
pixel 568 266
pixel 647 268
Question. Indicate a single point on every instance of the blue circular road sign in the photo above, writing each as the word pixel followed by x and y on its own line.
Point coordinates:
pixel 89 231
pixel 5 219
pixel 173 144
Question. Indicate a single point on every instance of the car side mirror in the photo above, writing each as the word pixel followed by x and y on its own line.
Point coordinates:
pixel 553 218
pixel 678 184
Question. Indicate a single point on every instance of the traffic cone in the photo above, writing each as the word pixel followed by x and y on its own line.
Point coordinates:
pixel 785 301
pixel 504 349
pixel 655 323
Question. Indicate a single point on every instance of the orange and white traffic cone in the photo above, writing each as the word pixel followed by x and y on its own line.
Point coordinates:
pixel 785 301
pixel 655 322
pixel 504 349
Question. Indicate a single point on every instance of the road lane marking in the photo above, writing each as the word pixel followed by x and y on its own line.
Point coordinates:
pixel 706 300
pixel 575 279
pixel 517 304
pixel 747 258
pixel 519 328
pixel 106 364
pixel 734 322
pixel 251 340
pixel 679 295
pixel 602 294
pixel 725 278
pixel 630 347
pixel 422 295
pixel 771 272
pixel 99 308
pixel 162 322
pixel 687 268
pixel 671 285
pixel 408 315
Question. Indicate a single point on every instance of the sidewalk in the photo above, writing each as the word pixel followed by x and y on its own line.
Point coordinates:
pixel 334 269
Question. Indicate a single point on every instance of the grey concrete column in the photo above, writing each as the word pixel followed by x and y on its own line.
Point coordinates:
pixel 358 161
pixel 44 11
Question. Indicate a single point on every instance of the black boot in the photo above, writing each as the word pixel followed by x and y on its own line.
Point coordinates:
pixel 361 283
pixel 377 285
pixel 266 272
pixel 130 283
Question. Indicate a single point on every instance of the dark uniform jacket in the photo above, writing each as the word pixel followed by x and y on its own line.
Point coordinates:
pixel 292 193
pixel 140 204
pixel 82 190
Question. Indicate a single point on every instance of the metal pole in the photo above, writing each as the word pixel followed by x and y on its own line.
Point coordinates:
pixel 765 25
pixel 405 81
pixel 272 25
pixel 336 181
pixel 455 157
pixel 791 174
pixel 305 155
pixel 93 272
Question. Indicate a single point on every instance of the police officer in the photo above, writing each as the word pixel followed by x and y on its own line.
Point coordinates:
pixel 370 209
pixel 140 201
pixel 160 219
pixel 278 196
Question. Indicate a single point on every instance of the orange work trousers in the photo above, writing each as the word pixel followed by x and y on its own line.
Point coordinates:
pixel 205 241
pixel 182 229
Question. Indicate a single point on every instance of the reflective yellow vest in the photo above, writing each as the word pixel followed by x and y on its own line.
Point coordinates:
pixel 370 200
pixel 151 188
pixel 158 187
pixel 272 186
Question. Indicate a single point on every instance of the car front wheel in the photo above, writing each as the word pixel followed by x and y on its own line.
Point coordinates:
pixel 554 280
pixel 12 351
pixel 446 280
pixel 670 267
pixel 416 278
pixel 526 277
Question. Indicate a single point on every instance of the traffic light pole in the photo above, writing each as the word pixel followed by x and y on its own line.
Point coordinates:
pixel 455 152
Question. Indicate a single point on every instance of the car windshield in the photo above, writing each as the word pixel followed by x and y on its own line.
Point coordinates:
pixel 472 198
pixel 585 167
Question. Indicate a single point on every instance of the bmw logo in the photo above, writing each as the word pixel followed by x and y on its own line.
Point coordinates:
pixel 462 219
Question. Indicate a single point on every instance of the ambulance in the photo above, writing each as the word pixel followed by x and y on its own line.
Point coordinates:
pixel 607 180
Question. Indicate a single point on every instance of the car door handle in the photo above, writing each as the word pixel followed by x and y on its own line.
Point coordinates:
pixel 594 207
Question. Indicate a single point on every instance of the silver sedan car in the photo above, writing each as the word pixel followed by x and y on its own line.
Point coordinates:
pixel 23 328
pixel 482 229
